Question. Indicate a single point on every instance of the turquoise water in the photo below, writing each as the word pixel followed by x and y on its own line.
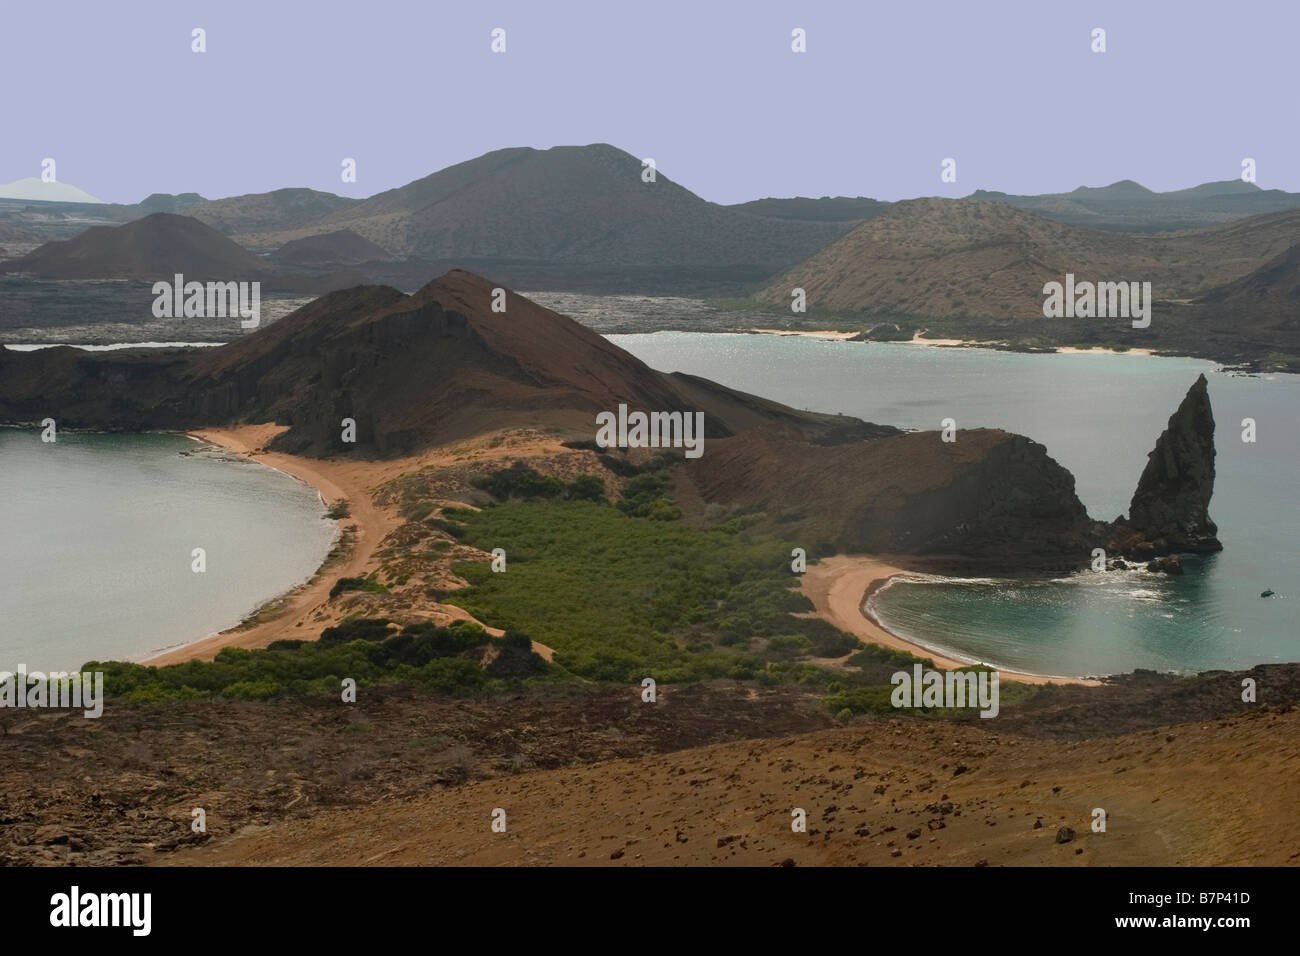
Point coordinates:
pixel 1098 415
pixel 98 531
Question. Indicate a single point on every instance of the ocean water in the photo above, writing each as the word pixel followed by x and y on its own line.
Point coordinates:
pixel 97 535
pixel 1098 415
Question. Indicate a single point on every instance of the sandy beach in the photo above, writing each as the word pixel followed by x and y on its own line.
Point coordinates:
pixel 335 480
pixel 839 587
pixel 304 612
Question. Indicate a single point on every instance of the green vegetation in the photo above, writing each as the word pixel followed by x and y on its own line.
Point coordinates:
pixel 417 510
pixel 441 660
pixel 876 698
pixel 340 509
pixel 623 599
pixel 357 584
pixel 520 481
pixel 368 583
pixel 619 600
pixel 457 531
pixel 644 497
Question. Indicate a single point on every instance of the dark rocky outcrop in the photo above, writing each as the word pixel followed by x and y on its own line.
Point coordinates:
pixel 1169 564
pixel 990 501
pixel 1169 512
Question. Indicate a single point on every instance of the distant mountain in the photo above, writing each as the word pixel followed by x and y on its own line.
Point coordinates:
pixel 580 211
pixel 825 209
pixel 954 257
pixel 35 190
pixel 167 202
pixel 975 269
pixel 259 212
pixel 343 247
pixel 281 209
pixel 1125 190
pixel 1127 206
pixel 147 249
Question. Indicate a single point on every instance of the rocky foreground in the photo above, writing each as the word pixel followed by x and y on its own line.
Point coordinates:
pixel 1186 772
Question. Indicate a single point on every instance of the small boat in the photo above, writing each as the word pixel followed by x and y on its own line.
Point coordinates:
pixel 1268 593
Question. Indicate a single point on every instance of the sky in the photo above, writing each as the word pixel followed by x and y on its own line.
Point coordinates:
pixel 712 91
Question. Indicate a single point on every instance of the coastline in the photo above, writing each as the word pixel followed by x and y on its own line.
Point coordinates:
pixel 916 339
pixel 301 613
pixel 839 588
pixel 305 605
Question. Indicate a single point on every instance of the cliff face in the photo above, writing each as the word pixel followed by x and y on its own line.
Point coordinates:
pixel 1169 512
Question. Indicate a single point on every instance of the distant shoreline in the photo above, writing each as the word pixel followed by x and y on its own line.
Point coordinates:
pixel 916 339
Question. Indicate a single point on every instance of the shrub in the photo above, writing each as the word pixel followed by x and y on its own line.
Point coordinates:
pixel 355 629
pixel 368 583
pixel 518 481
pixel 586 488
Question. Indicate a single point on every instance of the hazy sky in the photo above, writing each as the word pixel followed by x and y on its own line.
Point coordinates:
pixel 709 88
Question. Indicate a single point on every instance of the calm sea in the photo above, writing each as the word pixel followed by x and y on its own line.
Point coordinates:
pixel 1098 415
pixel 98 533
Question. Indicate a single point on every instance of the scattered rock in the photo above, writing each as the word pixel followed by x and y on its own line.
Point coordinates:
pixel 1170 564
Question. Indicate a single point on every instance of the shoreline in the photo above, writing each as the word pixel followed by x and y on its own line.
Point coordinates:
pixel 840 587
pixel 302 612
pixel 303 605
pixel 992 345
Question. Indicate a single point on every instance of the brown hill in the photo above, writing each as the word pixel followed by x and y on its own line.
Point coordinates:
pixel 411 370
pixel 149 249
pixel 263 212
pixel 1270 297
pixel 966 257
pixel 341 248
